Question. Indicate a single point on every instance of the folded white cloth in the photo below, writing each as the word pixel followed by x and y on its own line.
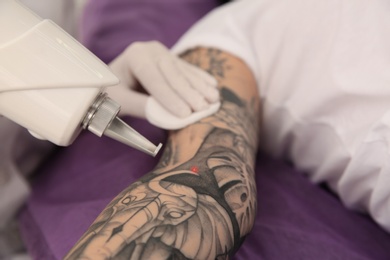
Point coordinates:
pixel 20 155
pixel 323 71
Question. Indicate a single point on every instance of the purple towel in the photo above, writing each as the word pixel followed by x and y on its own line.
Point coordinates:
pixel 295 220
pixel 110 26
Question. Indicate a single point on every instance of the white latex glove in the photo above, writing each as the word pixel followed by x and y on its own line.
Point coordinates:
pixel 176 85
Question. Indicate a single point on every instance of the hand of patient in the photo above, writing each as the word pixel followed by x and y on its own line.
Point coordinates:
pixel 178 86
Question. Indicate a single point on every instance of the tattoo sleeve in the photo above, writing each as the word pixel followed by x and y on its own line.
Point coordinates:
pixel 200 200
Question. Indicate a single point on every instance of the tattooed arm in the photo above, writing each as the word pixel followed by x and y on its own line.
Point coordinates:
pixel 200 201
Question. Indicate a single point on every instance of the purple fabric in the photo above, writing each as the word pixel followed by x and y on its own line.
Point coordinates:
pixel 76 184
pixel 107 35
pixel 295 220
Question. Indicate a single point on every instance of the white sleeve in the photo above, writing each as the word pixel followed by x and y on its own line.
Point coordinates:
pixel 222 28
pixel 323 70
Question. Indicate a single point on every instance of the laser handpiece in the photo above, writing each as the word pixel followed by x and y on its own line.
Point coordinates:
pixel 53 86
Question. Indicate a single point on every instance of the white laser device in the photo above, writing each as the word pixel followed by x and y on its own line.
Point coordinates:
pixel 53 86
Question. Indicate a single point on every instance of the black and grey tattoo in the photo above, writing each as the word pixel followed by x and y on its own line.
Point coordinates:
pixel 200 208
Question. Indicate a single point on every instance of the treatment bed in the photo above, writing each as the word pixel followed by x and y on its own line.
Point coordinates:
pixel 295 219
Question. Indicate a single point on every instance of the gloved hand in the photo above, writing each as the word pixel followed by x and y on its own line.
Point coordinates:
pixel 176 85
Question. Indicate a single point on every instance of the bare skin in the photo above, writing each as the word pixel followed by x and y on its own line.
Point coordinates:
pixel 200 200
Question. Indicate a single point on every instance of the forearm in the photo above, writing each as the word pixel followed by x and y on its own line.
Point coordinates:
pixel 200 201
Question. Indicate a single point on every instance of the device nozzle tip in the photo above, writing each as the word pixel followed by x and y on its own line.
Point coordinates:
pixel 123 133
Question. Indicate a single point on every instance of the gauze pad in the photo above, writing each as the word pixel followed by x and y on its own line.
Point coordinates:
pixel 160 117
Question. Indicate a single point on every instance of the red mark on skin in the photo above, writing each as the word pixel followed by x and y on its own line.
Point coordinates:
pixel 195 169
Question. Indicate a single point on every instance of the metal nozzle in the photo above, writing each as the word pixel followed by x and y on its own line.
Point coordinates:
pixel 102 119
